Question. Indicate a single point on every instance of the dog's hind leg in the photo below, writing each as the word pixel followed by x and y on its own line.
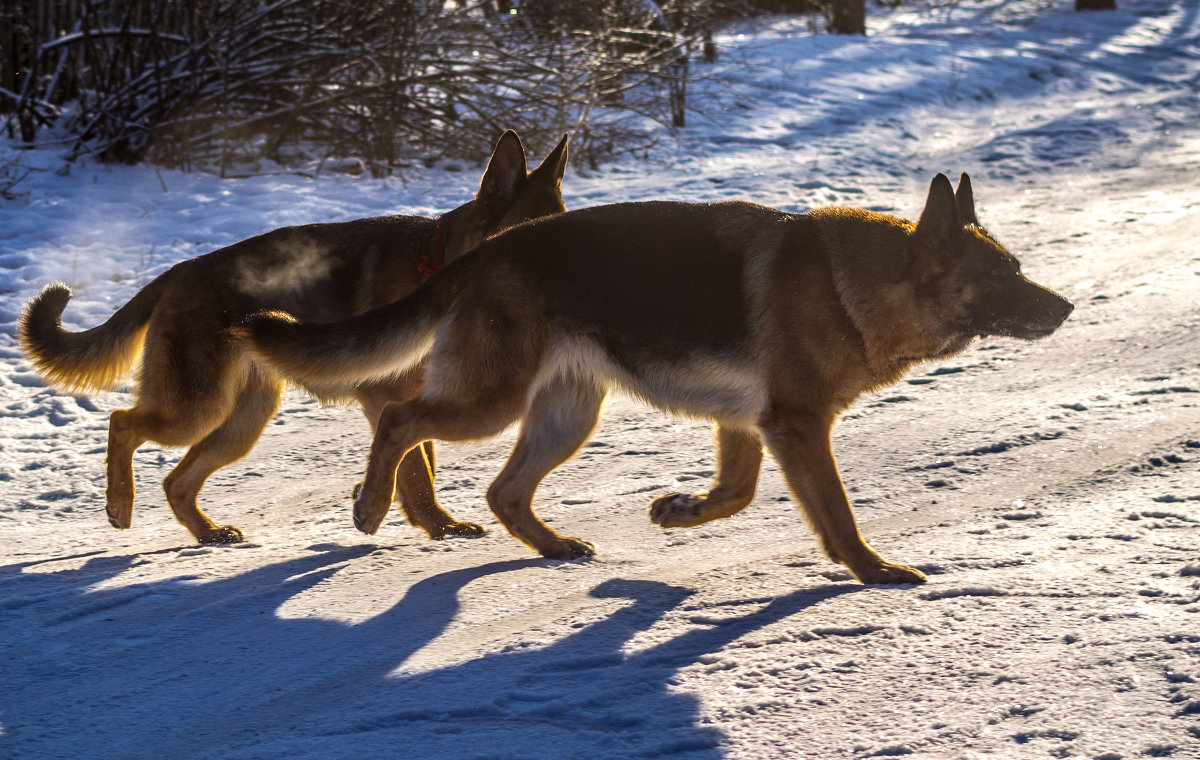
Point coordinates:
pixel 403 426
pixel 559 421
pixel 414 477
pixel 186 388
pixel 130 428
pixel 801 444
pixel 477 381
pixel 255 404
pixel 739 457
pixel 123 439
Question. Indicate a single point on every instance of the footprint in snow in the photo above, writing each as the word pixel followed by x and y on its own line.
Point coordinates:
pixel 893 400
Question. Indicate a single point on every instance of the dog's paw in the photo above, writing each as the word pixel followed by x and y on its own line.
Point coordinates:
pixel 367 516
pixel 679 510
pixel 569 548
pixel 120 522
pixel 222 534
pixel 885 573
pixel 119 508
pixel 464 529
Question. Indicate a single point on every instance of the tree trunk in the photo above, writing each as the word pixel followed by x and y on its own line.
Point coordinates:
pixel 848 17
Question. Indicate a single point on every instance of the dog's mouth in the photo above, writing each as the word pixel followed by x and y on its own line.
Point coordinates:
pixel 1026 326
pixel 1026 313
pixel 1022 331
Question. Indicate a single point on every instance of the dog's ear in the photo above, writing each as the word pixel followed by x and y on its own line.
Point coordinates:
pixel 966 201
pixel 505 172
pixel 939 222
pixel 555 165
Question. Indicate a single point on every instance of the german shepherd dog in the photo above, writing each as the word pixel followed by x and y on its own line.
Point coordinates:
pixel 197 387
pixel 770 324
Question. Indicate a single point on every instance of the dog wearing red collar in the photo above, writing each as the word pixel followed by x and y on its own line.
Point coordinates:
pixel 198 387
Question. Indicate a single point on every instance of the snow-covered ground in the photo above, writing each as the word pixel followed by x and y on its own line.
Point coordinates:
pixel 1050 490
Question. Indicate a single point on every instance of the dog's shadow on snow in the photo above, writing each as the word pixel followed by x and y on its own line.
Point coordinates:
pixel 139 669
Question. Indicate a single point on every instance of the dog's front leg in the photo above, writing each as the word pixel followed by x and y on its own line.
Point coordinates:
pixel 414 489
pixel 739 457
pixel 800 441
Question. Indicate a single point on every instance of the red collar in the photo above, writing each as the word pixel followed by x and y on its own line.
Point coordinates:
pixel 429 264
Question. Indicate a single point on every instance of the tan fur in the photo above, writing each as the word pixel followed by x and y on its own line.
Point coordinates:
pixel 94 371
pixel 198 387
pixel 81 362
pixel 768 324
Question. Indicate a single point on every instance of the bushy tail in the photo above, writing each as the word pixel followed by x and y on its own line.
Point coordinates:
pixel 90 360
pixel 370 346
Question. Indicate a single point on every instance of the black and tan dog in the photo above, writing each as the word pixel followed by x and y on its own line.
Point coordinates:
pixel 197 387
pixel 769 324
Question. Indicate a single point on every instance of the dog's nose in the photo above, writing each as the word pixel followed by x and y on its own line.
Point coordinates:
pixel 1065 307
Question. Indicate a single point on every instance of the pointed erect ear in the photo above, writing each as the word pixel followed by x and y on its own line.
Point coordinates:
pixel 966 201
pixel 555 165
pixel 939 222
pixel 505 172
